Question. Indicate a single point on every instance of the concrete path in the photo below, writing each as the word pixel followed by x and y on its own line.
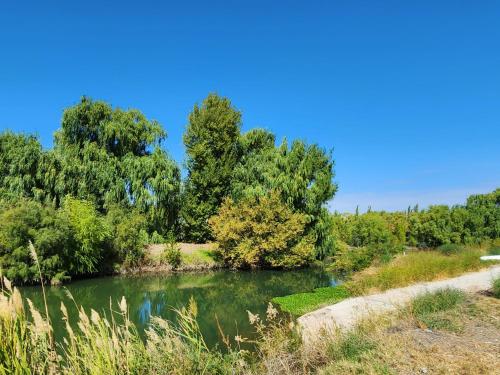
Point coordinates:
pixel 346 313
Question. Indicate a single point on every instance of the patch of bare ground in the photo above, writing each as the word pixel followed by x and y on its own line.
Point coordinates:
pixel 195 258
pixel 185 247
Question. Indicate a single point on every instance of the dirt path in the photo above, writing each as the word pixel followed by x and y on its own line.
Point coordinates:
pixel 345 314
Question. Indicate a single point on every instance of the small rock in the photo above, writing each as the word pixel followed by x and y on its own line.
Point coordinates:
pixel 424 370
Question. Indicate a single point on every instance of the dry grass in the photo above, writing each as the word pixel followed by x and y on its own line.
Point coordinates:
pixel 403 347
pixel 194 257
pixel 416 267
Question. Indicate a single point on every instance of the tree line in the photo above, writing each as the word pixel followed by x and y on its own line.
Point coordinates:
pixel 363 238
pixel 108 186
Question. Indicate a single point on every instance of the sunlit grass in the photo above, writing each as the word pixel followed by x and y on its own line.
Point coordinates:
pixel 199 257
pixel 416 267
pixel 301 303
pixel 404 270
pixel 438 310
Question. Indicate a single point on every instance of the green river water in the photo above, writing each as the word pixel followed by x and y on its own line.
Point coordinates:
pixel 221 295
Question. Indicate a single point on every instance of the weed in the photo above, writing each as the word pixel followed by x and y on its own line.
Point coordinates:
pixel 172 253
pixel 437 310
pixel 351 346
pixel 450 248
pixel 495 289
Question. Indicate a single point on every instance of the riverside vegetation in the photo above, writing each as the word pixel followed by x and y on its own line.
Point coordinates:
pixel 108 190
pixel 109 344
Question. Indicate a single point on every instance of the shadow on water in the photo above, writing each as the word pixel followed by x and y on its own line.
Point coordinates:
pixel 222 295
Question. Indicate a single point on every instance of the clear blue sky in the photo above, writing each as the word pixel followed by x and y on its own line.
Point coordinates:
pixel 407 93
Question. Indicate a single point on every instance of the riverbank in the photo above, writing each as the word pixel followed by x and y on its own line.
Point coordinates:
pixel 193 258
pixel 345 314
pixel 447 331
pixel 403 270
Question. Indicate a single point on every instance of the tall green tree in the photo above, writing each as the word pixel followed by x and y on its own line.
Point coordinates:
pixel 211 141
pixel 111 156
pixel 302 174
pixel 20 156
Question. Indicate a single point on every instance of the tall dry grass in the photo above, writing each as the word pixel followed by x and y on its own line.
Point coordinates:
pixel 416 267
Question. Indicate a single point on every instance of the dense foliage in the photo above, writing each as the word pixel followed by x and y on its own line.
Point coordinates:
pixel 222 162
pixel 302 175
pixel 92 199
pixel 362 238
pixel 103 155
pixel 211 138
pixel 108 187
pixel 71 240
pixel 262 231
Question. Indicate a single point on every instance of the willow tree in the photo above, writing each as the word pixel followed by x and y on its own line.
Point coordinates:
pixel 211 141
pixel 111 156
pixel 20 156
pixel 302 173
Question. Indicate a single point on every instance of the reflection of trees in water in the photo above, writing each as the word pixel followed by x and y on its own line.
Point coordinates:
pixel 226 295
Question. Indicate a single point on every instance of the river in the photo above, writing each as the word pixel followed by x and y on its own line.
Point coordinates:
pixel 221 295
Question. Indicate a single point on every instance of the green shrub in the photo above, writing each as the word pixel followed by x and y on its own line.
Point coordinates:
pixel 49 231
pixel 496 287
pixel 351 346
pixel 129 234
pixel 262 232
pixel 433 309
pixel 450 248
pixel 91 232
pixel 172 253
pixel 368 229
pixel 156 238
pixel 351 259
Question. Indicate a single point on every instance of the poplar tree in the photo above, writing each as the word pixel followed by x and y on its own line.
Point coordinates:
pixel 211 141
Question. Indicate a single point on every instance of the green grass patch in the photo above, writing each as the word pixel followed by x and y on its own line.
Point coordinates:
pixel 439 310
pixel 351 346
pixel 198 257
pixel 495 288
pixel 301 303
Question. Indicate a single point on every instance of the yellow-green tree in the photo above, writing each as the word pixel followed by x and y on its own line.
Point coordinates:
pixel 262 231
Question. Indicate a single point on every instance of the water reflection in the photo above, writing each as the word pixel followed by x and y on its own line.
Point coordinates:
pixel 224 296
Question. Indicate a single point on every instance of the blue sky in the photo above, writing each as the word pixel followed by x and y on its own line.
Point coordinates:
pixel 406 93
